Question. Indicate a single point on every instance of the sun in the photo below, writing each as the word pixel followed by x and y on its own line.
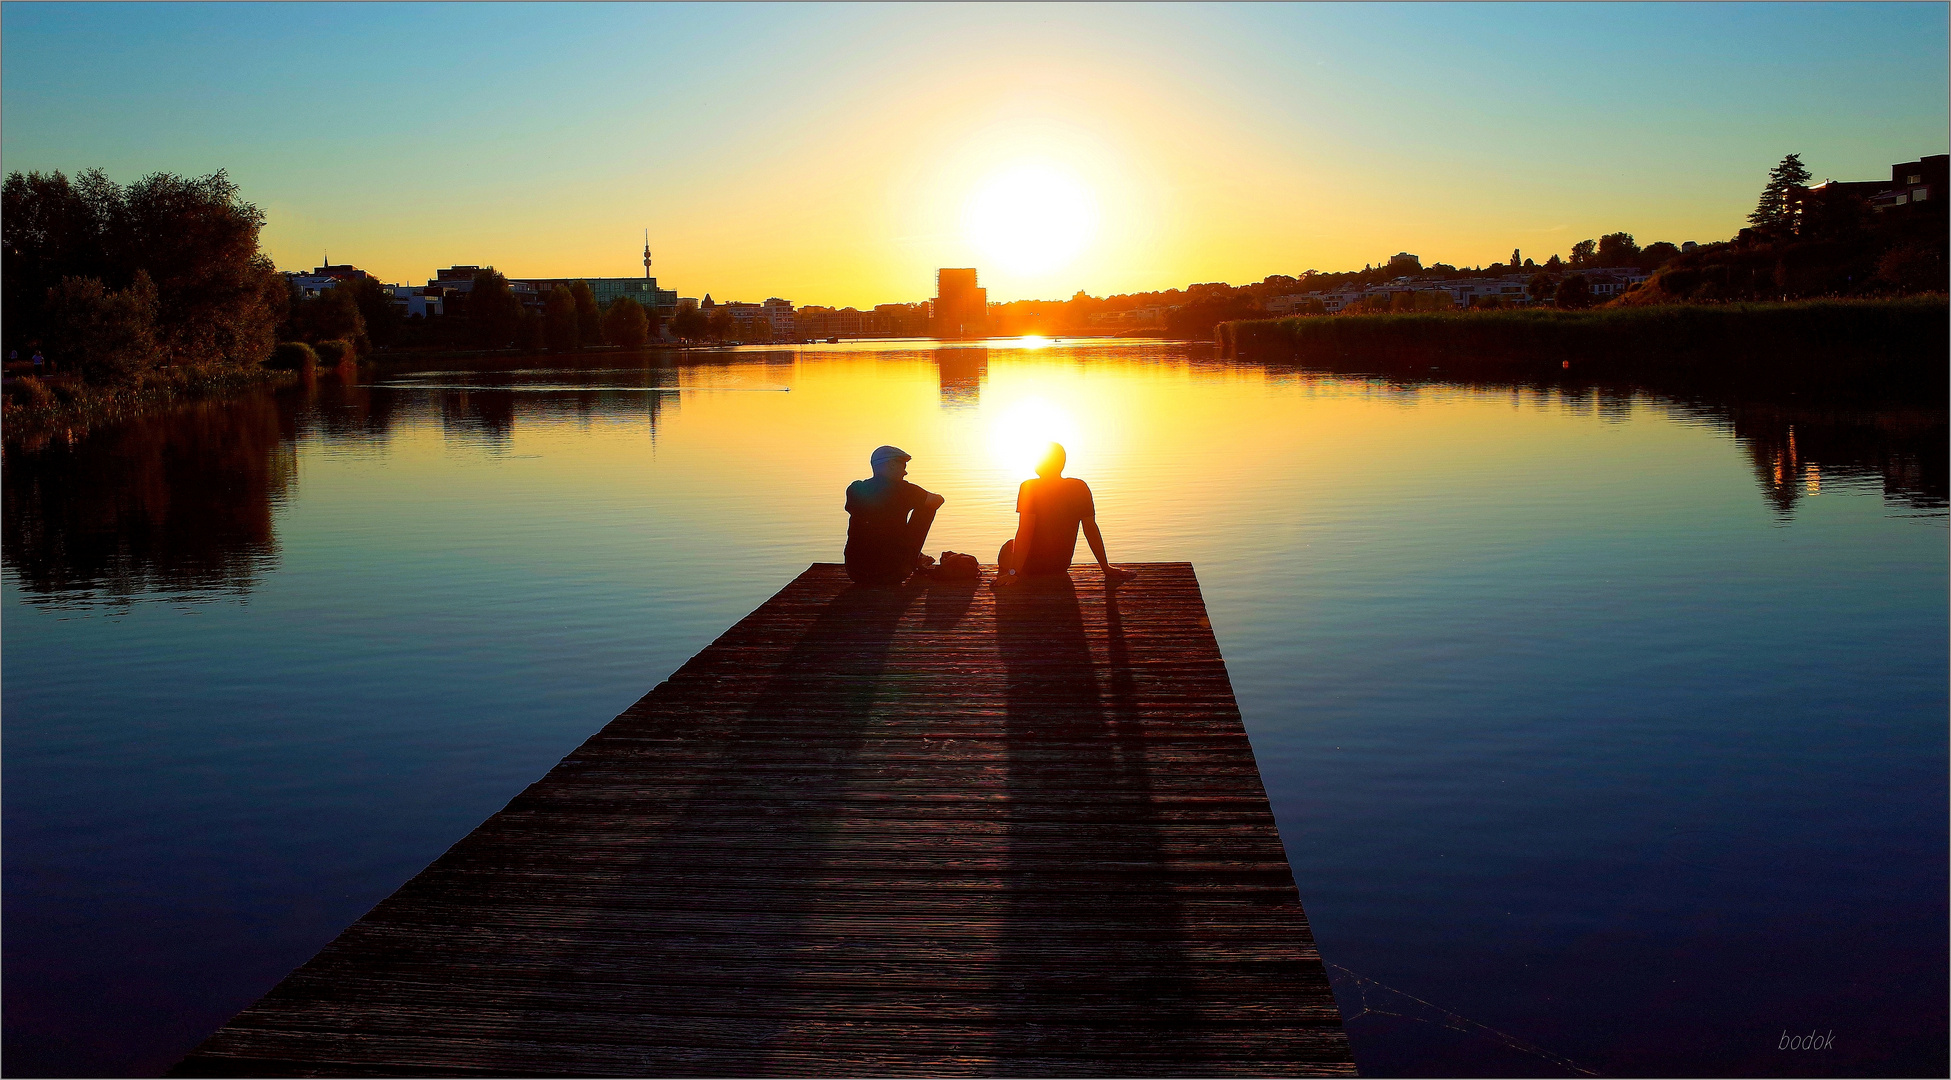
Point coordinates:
pixel 1031 218
pixel 1020 434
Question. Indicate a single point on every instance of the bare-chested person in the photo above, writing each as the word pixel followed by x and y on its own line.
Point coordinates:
pixel 1049 510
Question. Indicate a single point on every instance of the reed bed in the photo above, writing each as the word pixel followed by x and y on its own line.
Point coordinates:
pixel 35 411
pixel 1884 344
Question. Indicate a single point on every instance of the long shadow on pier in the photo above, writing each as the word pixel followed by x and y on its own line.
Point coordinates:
pixel 1090 947
pixel 738 954
pixel 923 831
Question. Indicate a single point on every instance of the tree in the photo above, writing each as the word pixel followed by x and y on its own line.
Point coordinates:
pixel 1574 292
pixel 531 332
pixel 1914 267
pixel 688 323
pixel 718 324
pixel 589 319
pixel 218 298
pixel 1405 265
pixel 1656 254
pixel 1553 264
pixel 106 336
pixel 1618 249
pixel 1777 209
pixel 382 318
pixel 1584 252
pixel 1542 288
pixel 560 324
pixel 493 310
pixel 332 315
pixel 1515 261
pixel 626 324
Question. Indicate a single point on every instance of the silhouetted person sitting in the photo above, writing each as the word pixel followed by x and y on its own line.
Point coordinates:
pixel 887 521
pixel 1049 509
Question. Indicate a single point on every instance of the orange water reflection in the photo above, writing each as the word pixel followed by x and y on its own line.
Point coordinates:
pixel 1183 450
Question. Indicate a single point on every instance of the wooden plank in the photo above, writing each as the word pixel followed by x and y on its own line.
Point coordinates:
pixel 934 830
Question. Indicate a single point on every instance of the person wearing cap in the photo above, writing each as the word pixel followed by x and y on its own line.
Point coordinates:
pixel 888 521
pixel 1050 507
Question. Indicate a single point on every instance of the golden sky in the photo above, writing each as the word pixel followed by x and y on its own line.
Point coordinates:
pixel 840 154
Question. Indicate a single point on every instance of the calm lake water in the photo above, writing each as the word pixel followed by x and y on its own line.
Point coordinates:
pixel 1603 731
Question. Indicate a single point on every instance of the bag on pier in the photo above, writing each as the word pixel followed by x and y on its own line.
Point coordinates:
pixel 956 566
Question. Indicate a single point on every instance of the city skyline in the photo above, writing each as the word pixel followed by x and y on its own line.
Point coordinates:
pixel 840 155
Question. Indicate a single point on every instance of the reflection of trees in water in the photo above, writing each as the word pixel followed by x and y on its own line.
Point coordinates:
pixel 346 412
pixel 338 413
pixel 175 501
pixel 1795 447
pixel 478 416
pixel 962 372
pixel 1795 451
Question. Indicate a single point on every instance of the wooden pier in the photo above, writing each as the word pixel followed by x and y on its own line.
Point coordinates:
pixel 938 830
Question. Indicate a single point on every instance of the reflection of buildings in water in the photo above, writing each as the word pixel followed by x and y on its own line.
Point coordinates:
pixel 1794 451
pixel 661 401
pixel 961 372
pixel 178 502
pixel 779 366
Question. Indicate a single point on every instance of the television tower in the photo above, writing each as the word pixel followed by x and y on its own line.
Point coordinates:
pixel 646 254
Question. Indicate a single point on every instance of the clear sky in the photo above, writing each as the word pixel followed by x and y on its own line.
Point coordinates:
pixel 838 155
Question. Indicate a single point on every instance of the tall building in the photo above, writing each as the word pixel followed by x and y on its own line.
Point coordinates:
pixel 961 309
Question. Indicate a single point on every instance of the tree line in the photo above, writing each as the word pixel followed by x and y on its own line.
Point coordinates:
pixel 117 283
pixel 1804 242
pixel 1801 243
pixel 114 282
pixel 487 315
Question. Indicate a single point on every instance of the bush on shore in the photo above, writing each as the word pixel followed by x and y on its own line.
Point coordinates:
pixel 292 356
pixel 333 352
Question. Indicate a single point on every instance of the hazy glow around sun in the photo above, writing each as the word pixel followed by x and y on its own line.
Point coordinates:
pixel 1031 218
pixel 1021 432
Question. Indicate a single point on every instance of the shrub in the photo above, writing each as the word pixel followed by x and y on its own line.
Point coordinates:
pixel 33 393
pixel 334 351
pixel 292 356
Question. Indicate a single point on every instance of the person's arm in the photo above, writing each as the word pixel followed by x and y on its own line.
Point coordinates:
pixel 1096 540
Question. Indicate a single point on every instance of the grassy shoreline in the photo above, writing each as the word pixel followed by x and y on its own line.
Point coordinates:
pixel 1876 346
pixel 35 412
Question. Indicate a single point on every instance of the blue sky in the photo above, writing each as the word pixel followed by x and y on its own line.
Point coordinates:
pixel 824 153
